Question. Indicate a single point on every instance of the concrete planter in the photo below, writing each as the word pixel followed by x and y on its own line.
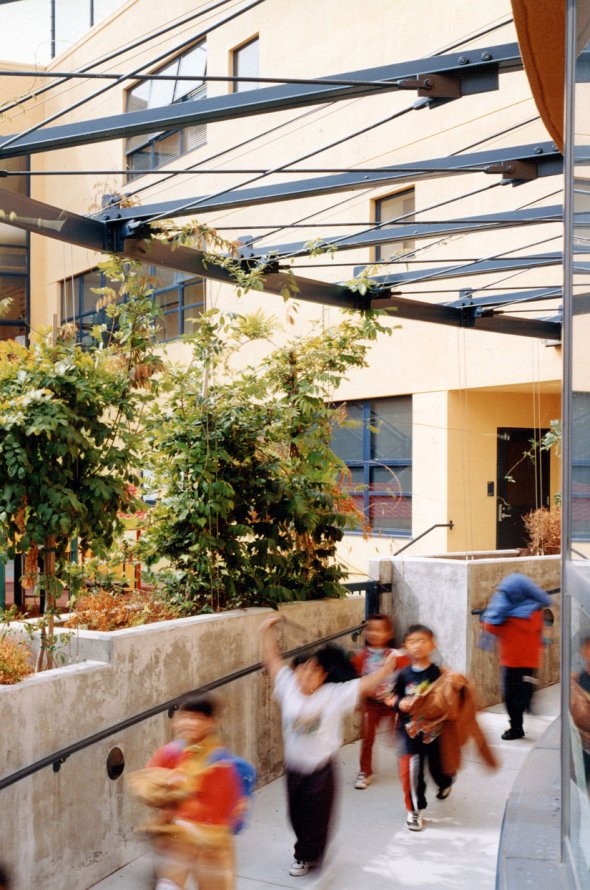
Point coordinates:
pixel 442 591
pixel 76 826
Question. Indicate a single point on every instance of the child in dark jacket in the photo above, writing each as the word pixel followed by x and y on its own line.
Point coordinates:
pixel 378 634
pixel 417 740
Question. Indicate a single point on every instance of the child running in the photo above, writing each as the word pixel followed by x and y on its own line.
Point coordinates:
pixel 418 742
pixel 313 700
pixel 197 795
pixel 378 634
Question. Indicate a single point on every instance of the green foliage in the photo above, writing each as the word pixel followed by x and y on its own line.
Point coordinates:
pixel 68 425
pixel 249 510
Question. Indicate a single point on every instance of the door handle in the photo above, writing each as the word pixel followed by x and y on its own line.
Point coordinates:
pixel 504 511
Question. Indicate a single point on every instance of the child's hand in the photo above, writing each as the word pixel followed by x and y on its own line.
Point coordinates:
pixel 269 622
pixel 390 662
pixel 390 700
pixel 405 703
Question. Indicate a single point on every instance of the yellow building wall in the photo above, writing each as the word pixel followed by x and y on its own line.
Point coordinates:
pixel 473 421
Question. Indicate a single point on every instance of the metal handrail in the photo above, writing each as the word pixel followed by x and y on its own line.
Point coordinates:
pixel 58 757
pixel 448 524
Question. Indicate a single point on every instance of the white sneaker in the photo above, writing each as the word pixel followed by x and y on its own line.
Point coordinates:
pixel 363 781
pixel 299 868
pixel 414 821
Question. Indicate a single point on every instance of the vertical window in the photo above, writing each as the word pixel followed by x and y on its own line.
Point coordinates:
pixel 179 296
pixel 150 151
pixel 387 211
pixel 376 446
pixel 245 63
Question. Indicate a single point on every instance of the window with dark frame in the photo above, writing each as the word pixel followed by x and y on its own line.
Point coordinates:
pixel 179 296
pixel 387 211
pixel 245 63
pixel 376 446
pixel 150 151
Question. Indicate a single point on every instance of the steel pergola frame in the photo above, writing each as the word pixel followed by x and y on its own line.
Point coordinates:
pixel 516 164
pixel 123 231
pixel 458 74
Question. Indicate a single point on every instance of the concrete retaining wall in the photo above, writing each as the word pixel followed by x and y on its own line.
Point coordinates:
pixel 441 592
pixel 73 827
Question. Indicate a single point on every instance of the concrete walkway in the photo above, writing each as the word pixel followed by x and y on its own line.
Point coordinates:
pixel 372 849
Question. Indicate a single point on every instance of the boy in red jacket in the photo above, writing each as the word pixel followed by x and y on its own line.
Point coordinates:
pixel 378 634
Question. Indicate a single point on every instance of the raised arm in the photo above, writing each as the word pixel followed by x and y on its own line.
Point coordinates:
pixel 271 655
pixel 372 681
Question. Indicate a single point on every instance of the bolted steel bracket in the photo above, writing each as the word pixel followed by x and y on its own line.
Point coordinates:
pixel 514 171
pixel 440 86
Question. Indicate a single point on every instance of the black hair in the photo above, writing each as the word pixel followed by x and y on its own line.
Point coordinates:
pixel 299 659
pixel 4 881
pixel 386 620
pixel 336 664
pixel 418 629
pixel 200 704
pixel 379 616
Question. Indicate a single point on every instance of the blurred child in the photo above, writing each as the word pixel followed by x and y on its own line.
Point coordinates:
pixel 514 616
pixel 418 741
pixel 378 634
pixel 580 705
pixel 197 793
pixel 314 698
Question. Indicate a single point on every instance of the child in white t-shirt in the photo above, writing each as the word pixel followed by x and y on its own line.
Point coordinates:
pixel 313 701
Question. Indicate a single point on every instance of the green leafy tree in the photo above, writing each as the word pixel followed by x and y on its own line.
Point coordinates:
pixel 250 510
pixel 69 448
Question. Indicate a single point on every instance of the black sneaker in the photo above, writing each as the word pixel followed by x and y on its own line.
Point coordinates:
pixel 511 734
pixel 443 793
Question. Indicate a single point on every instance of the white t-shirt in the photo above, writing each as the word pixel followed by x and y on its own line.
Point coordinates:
pixel 312 724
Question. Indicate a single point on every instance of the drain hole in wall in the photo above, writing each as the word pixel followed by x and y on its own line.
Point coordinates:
pixel 115 763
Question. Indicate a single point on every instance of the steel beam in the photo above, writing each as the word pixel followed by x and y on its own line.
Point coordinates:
pixel 468 66
pixel 417 310
pixel 474 300
pixel 502 264
pixel 44 219
pixel 410 231
pixel 53 222
pixel 548 160
pixel 310 290
pixel 187 259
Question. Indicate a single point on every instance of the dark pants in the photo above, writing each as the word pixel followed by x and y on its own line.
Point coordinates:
pixel 373 713
pixel 411 770
pixel 518 693
pixel 311 798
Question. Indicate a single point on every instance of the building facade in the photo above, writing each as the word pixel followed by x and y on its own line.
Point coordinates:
pixel 445 413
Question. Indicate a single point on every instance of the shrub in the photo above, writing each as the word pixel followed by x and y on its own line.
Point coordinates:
pixel 112 610
pixel 544 531
pixel 15 660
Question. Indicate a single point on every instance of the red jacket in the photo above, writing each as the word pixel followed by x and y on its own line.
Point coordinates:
pixel 520 640
pixel 214 790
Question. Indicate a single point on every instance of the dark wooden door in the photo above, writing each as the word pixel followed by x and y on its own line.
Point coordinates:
pixel 522 484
